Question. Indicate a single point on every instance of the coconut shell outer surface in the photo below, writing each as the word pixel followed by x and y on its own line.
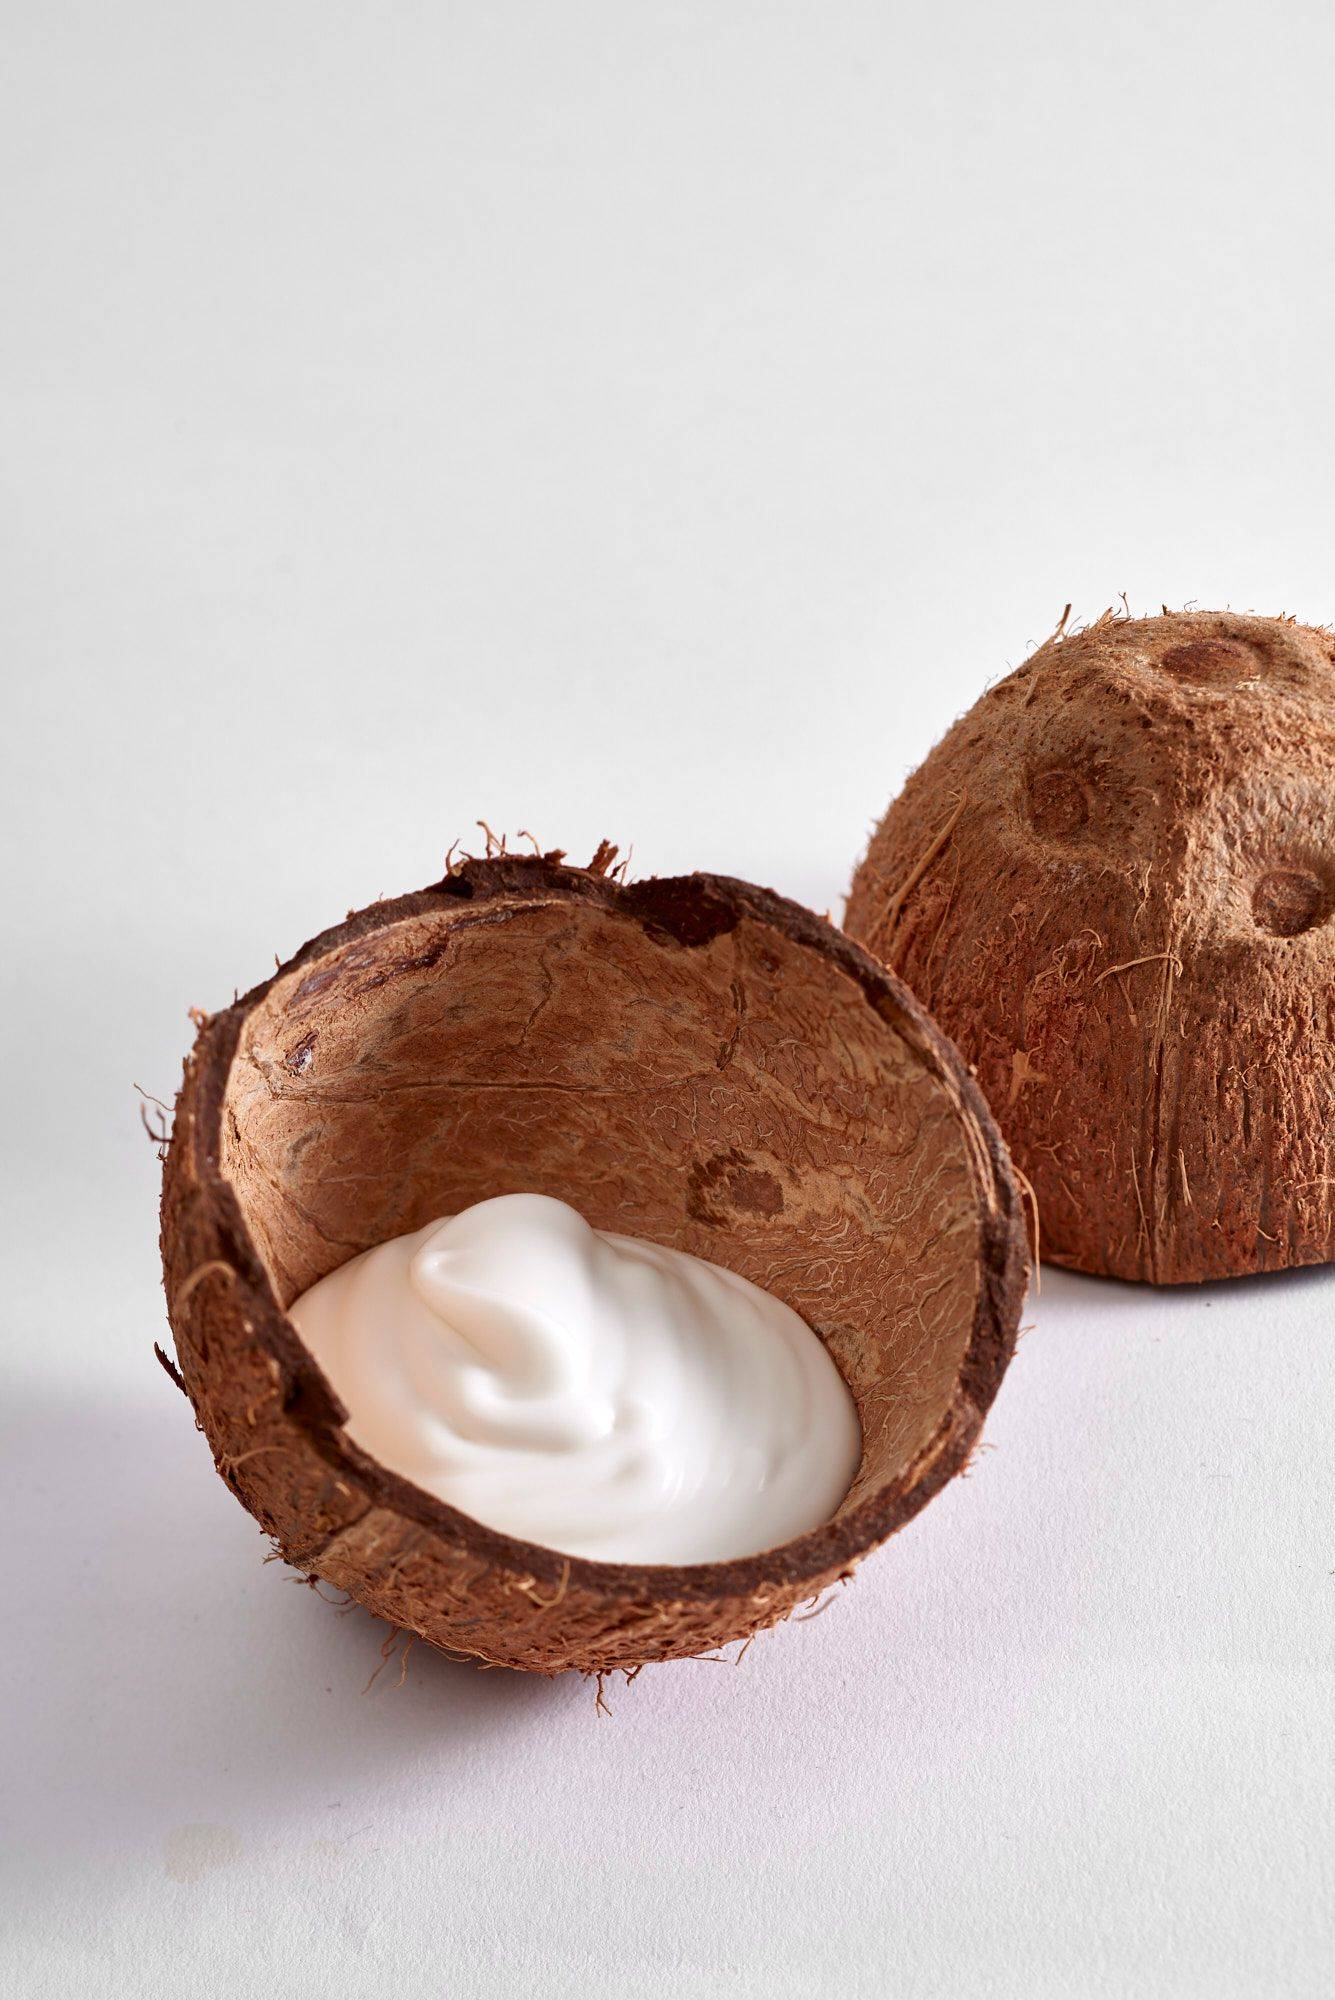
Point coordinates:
pixel 1113 884
pixel 694 1061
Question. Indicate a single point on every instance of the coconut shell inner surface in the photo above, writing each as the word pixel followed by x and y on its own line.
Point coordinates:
pixel 693 1062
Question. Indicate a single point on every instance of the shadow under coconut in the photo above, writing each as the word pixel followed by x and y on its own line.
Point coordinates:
pixel 162 1676
pixel 1091 1291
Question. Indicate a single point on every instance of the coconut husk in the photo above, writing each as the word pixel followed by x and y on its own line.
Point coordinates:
pixel 1112 883
pixel 694 1061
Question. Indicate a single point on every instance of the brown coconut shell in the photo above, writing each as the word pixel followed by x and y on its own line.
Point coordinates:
pixel 694 1061
pixel 1113 883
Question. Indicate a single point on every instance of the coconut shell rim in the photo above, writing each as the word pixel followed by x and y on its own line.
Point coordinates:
pixel 690 908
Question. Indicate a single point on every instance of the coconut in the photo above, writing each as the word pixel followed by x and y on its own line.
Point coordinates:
pixel 1112 882
pixel 694 1061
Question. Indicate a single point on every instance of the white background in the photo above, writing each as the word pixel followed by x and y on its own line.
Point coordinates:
pixel 652 421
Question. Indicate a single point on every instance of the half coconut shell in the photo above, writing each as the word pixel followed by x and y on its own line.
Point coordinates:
pixel 1113 883
pixel 693 1061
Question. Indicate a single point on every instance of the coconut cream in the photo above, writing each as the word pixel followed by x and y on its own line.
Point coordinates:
pixel 594 1393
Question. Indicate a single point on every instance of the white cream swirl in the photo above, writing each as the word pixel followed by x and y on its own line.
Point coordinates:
pixel 593 1393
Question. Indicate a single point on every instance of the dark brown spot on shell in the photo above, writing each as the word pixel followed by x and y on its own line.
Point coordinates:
pixel 301 1055
pixel 1217 663
pixel 1288 901
pixel 728 1185
pixel 1057 803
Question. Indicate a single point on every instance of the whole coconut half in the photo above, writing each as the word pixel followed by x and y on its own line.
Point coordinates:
pixel 1113 883
pixel 693 1061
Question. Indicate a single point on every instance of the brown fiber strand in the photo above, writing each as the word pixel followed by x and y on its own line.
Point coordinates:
pixel 924 862
pixel 196 1278
pixel 805 1617
pixel 549 1603
pixel 1027 1189
pixel 1146 958
pixel 386 1652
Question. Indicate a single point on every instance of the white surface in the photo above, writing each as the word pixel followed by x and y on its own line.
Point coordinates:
pixel 651 421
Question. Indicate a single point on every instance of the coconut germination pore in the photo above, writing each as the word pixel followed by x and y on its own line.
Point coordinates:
pixel 594 1393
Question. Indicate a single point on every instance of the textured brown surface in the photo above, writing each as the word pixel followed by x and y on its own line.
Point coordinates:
pixel 693 1061
pixel 1112 884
